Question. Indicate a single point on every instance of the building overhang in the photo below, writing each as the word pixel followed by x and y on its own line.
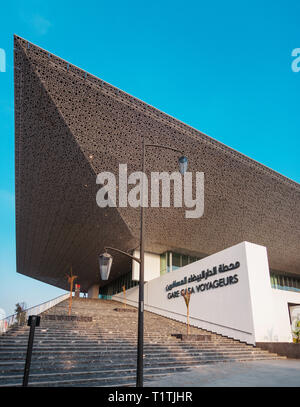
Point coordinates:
pixel 70 126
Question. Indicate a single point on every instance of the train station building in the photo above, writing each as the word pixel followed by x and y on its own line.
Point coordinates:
pixel 240 259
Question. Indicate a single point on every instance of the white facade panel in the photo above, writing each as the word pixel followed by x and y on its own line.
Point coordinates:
pixel 260 292
pixel 151 267
pixel 231 295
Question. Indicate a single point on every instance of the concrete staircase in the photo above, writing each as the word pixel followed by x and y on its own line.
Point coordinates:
pixel 102 352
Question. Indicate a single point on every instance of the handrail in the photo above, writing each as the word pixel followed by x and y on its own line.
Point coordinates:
pixel 183 315
pixel 21 318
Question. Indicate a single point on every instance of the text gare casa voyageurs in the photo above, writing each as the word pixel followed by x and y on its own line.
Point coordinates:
pixel 221 282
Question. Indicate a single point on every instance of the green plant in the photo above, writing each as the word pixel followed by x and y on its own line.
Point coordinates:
pixel 296 330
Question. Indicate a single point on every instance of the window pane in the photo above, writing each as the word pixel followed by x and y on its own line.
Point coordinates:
pixel 163 263
pixel 175 261
pixel 185 260
pixel 169 255
pixel 284 283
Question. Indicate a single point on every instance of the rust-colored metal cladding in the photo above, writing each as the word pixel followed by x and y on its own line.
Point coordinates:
pixel 70 126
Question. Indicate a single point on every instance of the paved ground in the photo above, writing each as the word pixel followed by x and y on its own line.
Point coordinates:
pixel 269 373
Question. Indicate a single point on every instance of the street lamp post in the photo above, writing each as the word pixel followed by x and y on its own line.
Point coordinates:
pixel 108 261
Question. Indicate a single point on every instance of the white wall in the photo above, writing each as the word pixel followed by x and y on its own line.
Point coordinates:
pixel 260 292
pixel 226 310
pixel 151 267
pixel 248 310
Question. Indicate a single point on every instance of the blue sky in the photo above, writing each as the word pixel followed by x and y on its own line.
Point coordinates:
pixel 221 67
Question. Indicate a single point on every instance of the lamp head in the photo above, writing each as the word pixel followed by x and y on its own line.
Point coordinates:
pixel 105 263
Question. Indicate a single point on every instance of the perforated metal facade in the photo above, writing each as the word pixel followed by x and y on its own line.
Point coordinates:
pixel 70 125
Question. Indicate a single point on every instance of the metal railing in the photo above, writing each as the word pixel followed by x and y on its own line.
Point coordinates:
pixel 22 317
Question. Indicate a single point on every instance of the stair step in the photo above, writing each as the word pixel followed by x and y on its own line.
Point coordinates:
pixel 103 352
pixel 70 366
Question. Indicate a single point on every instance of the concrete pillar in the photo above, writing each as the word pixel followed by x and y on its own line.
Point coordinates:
pixel 93 291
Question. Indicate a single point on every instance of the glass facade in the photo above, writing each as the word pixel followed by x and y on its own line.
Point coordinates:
pixel 116 286
pixel 163 263
pixel 170 261
pixel 283 282
pixel 176 261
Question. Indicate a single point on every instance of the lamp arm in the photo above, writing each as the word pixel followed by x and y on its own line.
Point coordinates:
pixel 126 254
pixel 165 147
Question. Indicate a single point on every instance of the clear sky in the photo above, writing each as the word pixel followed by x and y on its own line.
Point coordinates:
pixel 223 67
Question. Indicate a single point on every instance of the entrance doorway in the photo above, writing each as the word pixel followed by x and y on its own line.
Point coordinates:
pixel 294 313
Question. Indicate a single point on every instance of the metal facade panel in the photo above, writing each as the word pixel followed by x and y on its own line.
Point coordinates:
pixel 70 125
